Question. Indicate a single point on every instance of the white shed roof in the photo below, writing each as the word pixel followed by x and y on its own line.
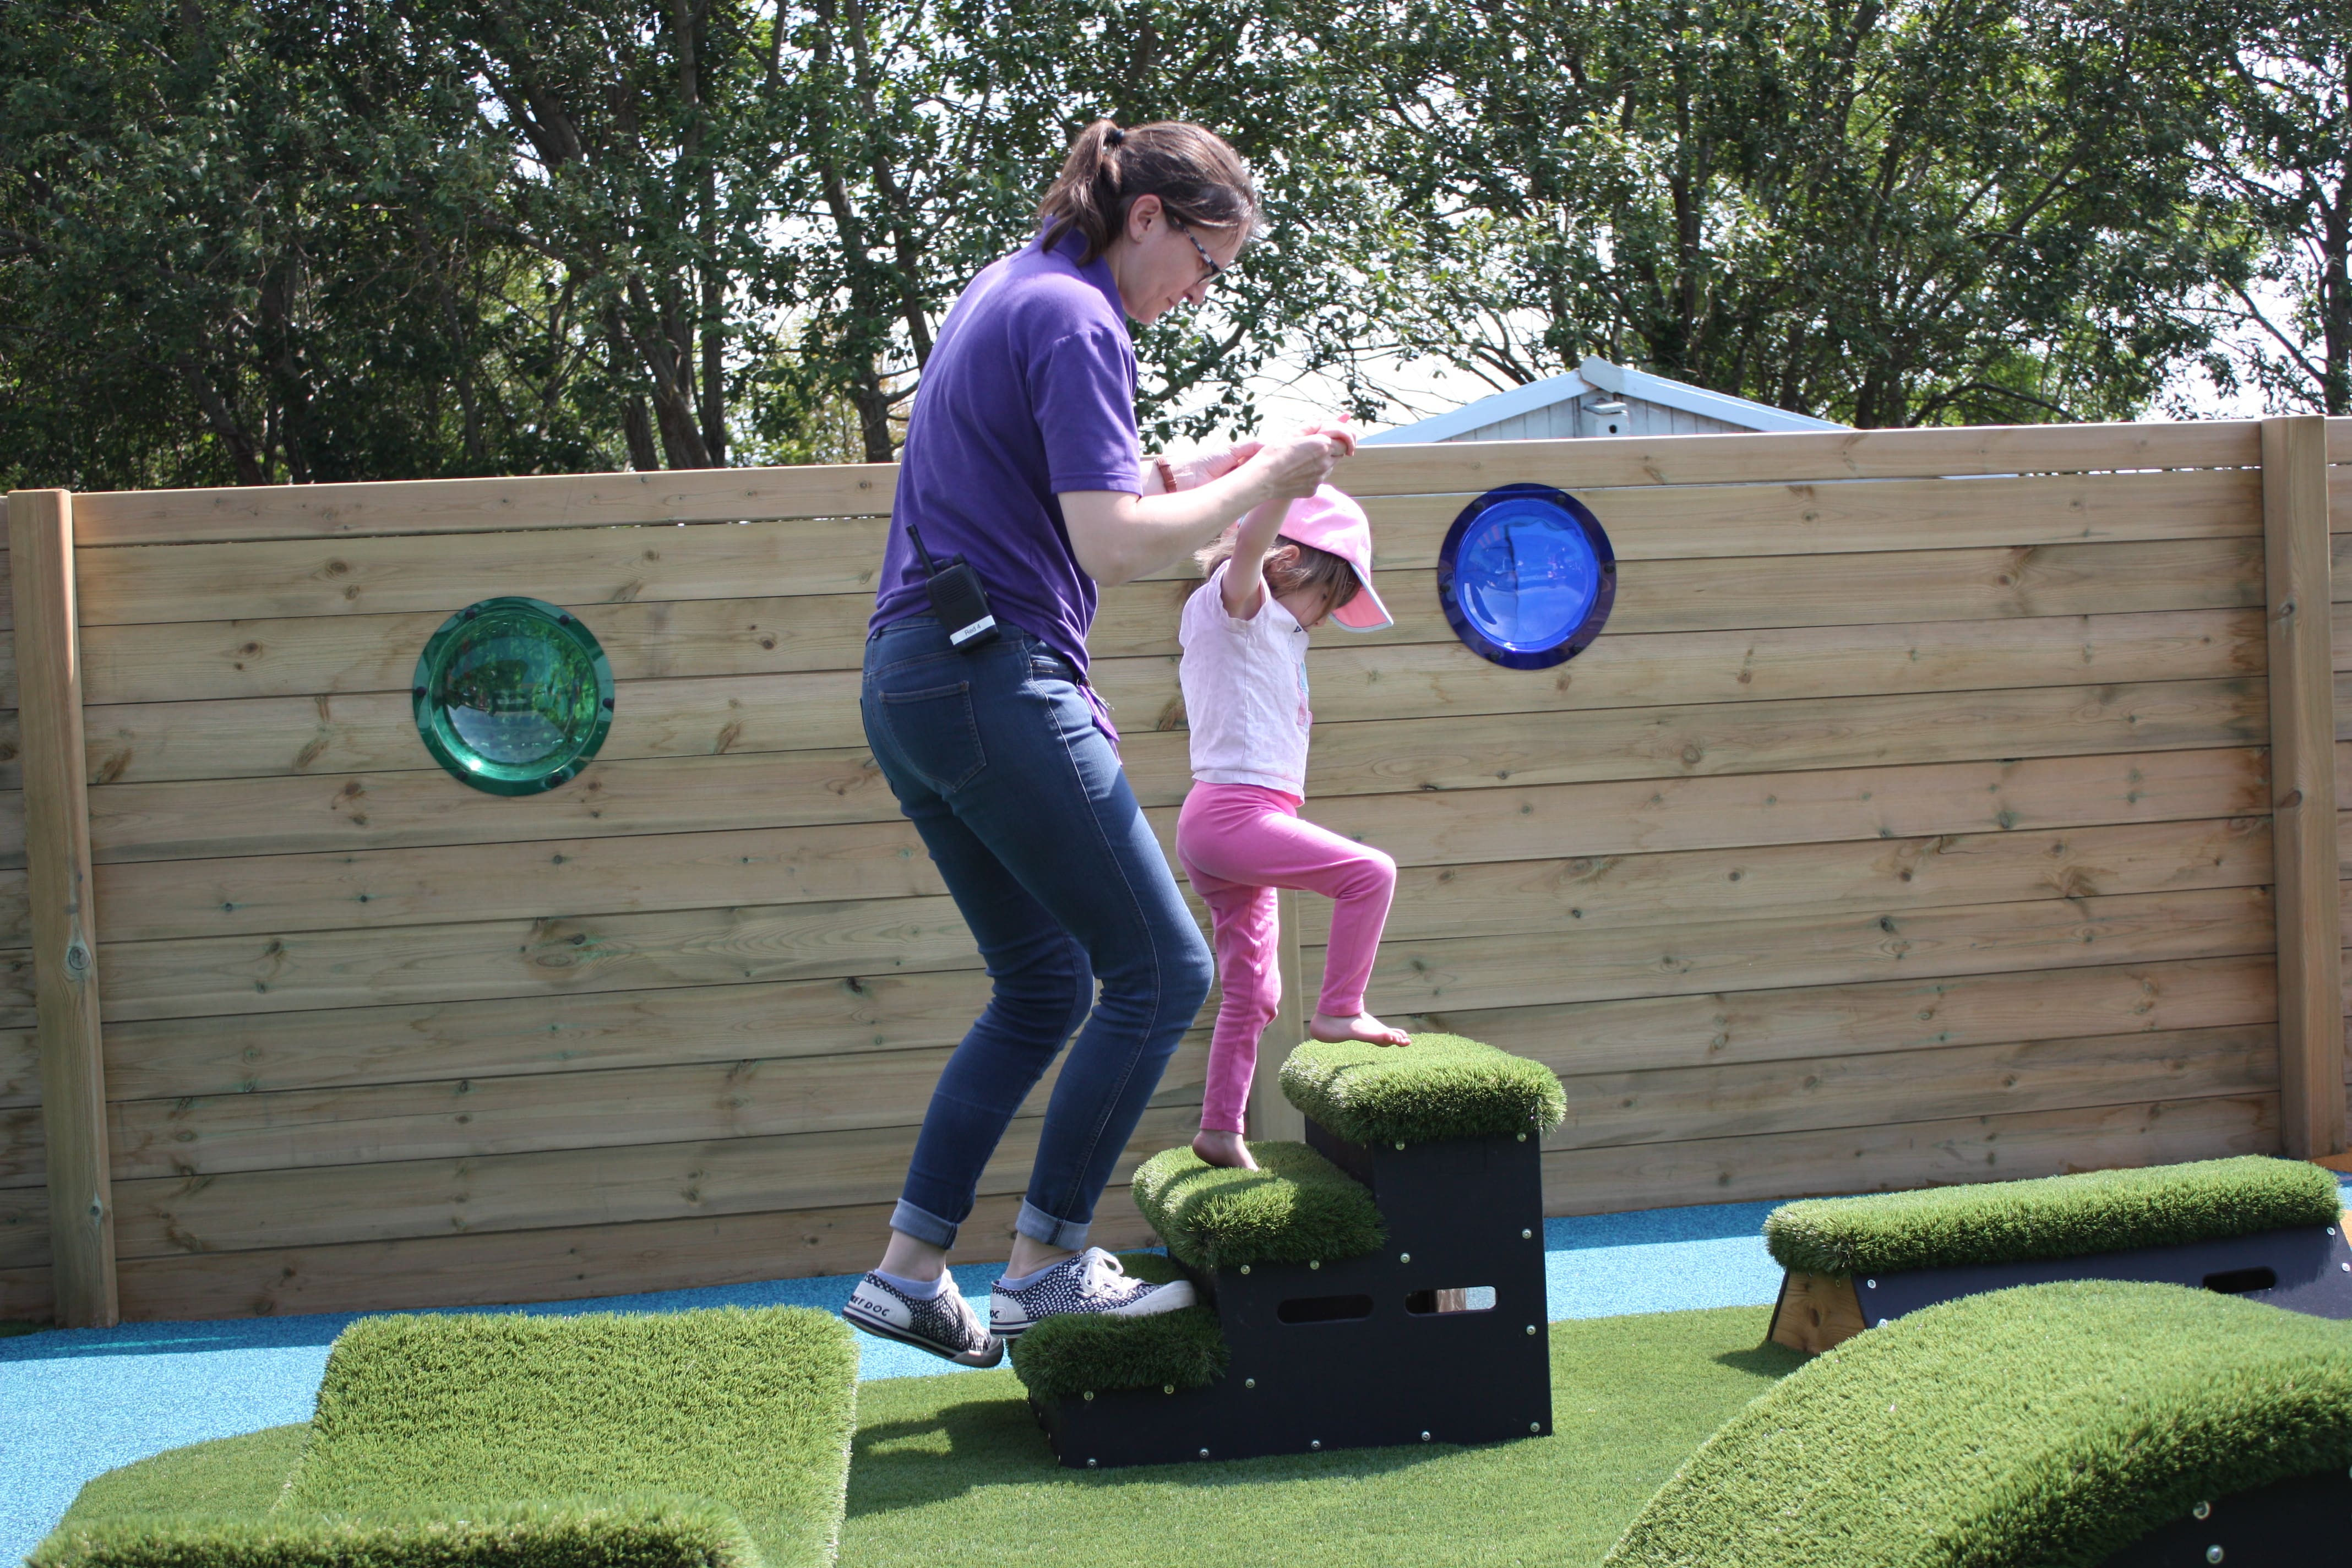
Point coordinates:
pixel 1598 376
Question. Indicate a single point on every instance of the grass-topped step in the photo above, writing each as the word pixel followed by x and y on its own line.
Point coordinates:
pixel 1441 1087
pixel 602 1440
pixel 1296 1208
pixel 2041 1427
pixel 1078 1353
pixel 2052 1216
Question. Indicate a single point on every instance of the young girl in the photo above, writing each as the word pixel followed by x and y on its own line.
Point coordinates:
pixel 1285 568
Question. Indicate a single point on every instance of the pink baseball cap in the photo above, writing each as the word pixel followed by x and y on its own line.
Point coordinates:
pixel 1331 520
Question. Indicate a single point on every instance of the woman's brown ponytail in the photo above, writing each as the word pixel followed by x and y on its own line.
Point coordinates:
pixel 1199 180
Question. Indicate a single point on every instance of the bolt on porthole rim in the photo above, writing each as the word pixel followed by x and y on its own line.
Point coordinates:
pixel 457 757
pixel 1573 640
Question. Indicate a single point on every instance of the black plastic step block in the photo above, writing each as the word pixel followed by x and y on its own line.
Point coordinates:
pixel 2305 1268
pixel 1361 1352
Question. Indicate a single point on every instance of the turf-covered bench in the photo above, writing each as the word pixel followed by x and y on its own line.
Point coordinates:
pixel 1404 1236
pixel 2063 1426
pixel 707 1439
pixel 2253 1226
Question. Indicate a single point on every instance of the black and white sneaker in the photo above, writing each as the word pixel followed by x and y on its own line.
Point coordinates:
pixel 945 1325
pixel 1093 1281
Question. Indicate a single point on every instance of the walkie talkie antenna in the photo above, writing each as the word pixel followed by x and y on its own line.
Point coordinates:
pixel 930 567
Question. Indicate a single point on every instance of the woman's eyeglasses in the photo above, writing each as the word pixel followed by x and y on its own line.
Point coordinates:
pixel 1216 268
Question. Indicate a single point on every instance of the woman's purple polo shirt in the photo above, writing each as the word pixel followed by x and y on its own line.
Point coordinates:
pixel 1030 390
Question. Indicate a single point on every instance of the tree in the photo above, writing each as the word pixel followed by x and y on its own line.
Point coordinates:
pixel 1930 211
pixel 2282 164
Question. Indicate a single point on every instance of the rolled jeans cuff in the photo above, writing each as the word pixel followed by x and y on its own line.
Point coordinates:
pixel 1042 1227
pixel 921 1225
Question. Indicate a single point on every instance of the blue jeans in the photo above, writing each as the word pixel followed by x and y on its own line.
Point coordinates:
pixel 994 757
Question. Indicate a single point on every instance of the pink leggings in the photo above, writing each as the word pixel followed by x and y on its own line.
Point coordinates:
pixel 1238 843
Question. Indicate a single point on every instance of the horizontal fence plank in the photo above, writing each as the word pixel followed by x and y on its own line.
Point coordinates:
pixel 1450 974
pixel 161 1216
pixel 1572 898
pixel 1908 1154
pixel 465 506
pixel 23 1228
pixel 206 977
pixel 376 731
pixel 564 1263
pixel 1678 1104
pixel 251 1053
pixel 591 500
pixel 25 1295
pixel 317 736
pixel 1478 752
pixel 20 1065
pixel 1424 468
pixel 1820 1022
pixel 387 888
pixel 472 1117
pixel 157 583
pixel 210 820
pixel 23 1158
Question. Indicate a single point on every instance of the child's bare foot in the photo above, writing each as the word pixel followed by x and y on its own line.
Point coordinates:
pixel 1223 1149
pixel 1362 1026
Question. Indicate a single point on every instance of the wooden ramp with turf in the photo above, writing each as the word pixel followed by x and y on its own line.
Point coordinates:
pixel 2265 1228
pixel 707 1439
pixel 2083 1425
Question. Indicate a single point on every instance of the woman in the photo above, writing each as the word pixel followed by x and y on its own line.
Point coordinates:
pixel 1020 458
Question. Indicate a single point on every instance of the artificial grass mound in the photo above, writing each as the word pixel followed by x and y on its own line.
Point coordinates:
pixel 597 1441
pixel 1440 1087
pixel 1296 1208
pixel 664 1533
pixel 2044 1427
pixel 1081 1352
pixel 2051 1216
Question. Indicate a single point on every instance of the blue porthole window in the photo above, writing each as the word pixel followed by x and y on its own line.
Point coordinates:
pixel 513 696
pixel 1527 576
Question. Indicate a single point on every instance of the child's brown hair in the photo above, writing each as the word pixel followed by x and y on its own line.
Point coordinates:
pixel 1315 571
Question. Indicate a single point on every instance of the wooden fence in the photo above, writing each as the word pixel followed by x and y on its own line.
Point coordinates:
pixel 1939 805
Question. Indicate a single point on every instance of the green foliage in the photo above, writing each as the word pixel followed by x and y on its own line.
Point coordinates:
pixel 751 1409
pixel 10 1328
pixel 2046 1426
pixel 1440 1087
pixel 2051 1216
pixel 1296 1208
pixel 666 1533
pixel 1066 1357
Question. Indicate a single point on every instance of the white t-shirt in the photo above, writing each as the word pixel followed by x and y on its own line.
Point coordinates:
pixel 1244 690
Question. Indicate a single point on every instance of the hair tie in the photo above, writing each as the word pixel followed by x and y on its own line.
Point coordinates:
pixel 1114 136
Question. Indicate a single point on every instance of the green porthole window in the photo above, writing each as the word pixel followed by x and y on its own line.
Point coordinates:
pixel 513 696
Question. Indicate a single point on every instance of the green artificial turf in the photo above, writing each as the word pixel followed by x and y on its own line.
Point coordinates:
pixel 600 1440
pixel 1296 1208
pixel 953 1470
pixel 1079 1353
pixel 233 1478
pixel 11 1327
pixel 2045 1427
pixel 2051 1216
pixel 1440 1087
pixel 681 1533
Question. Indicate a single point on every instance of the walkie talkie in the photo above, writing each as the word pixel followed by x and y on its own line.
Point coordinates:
pixel 956 599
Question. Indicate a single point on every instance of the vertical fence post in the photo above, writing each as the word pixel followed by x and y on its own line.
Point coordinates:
pixel 2303 785
pixel 1270 1115
pixel 65 935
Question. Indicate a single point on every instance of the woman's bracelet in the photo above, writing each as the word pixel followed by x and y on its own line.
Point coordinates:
pixel 1167 475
